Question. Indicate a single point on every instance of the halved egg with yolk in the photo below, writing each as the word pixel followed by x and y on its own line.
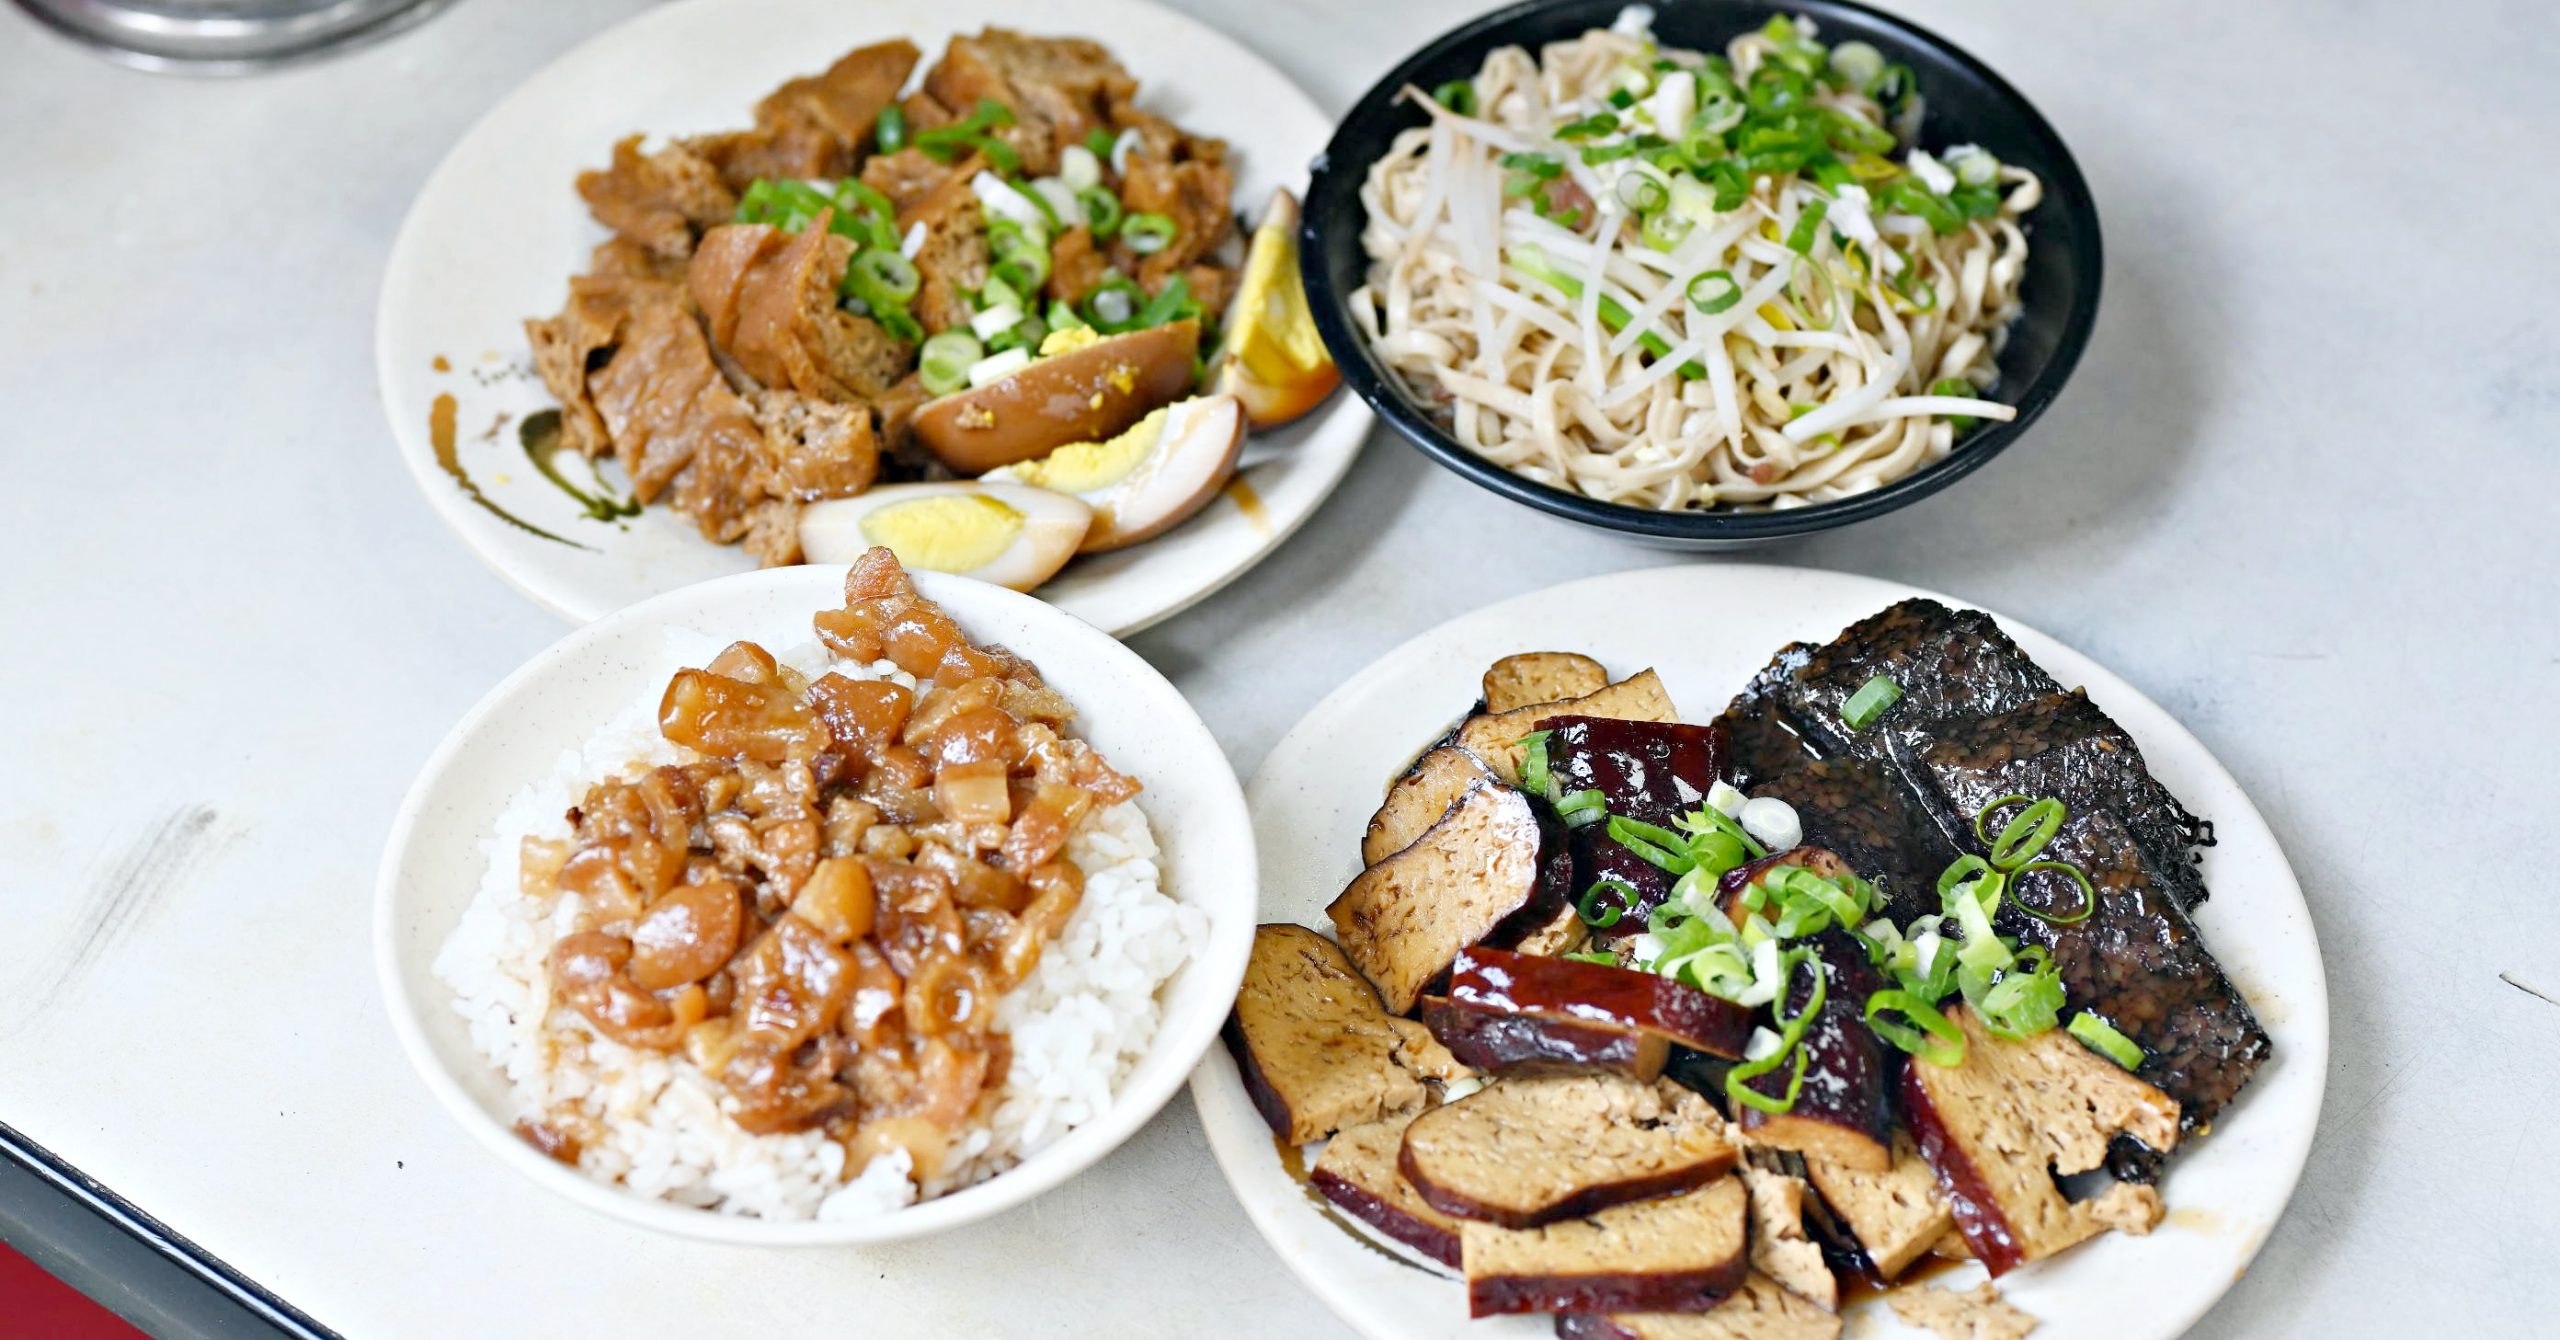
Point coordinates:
pixel 1148 479
pixel 1009 534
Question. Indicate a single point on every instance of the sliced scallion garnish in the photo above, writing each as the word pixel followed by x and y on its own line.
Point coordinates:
pixel 1597 909
pixel 1577 808
pixel 2088 892
pixel 1458 95
pixel 1715 291
pixel 1872 700
pixel 1929 1035
pixel 2101 1037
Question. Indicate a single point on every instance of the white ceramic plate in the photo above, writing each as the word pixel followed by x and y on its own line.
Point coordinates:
pixel 1707 629
pixel 498 231
pixel 517 734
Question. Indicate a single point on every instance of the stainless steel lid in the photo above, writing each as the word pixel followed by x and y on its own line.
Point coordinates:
pixel 225 36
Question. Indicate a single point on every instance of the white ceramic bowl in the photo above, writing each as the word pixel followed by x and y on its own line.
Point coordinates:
pixel 515 735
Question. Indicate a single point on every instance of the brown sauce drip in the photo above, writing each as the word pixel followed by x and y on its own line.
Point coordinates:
pixel 1250 503
pixel 1854 1291
pixel 443 364
pixel 1293 1160
pixel 440 436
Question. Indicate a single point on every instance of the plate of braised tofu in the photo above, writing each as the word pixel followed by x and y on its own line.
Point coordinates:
pixel 1733 951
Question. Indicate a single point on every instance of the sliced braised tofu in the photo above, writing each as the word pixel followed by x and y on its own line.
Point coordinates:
pixel 1759 1310
pixel 1780 1248
pixel 1559 933
pixel 1681 1253
pixel 1530 1150
pixel 1533 677
pixel 1508 1010
pixel 2000 1126
pixel 1317 1051
pixel 1495 736
pixel 1897 1215
pixel 1979 1314
pixel 1418 800
pixel 1404 919
pixel 1357 1172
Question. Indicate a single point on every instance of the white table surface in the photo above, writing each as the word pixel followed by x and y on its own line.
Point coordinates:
pixel 2302 491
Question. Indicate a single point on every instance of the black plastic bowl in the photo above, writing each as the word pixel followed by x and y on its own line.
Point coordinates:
pixel 1966 103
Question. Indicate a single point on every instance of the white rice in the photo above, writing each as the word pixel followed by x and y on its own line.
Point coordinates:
pixel 1078 1026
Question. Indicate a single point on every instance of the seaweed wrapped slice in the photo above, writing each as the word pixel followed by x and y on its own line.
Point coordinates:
pixel 2064 746
pixel 1947 662
pixel 1860 810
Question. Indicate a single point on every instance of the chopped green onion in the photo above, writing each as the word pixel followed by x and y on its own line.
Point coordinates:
pixel 1148 234
pixel 2025 835
pixel 1102 211
pixel 1101 139
pixel 1808 229
pixel 1717 114
pixel 1593 909
pixel 1954 386
pixel 1715 291
pixel 2101 1037
pixel 1544 167
pixel 1532 261
pixel 890 131
pixel 1589 127
pixel 895 274
pixel 1858 64
pixel 1872 700
pixel 1062 315
pixel 1664 230
pixel 1929 1035
pixel 1609 153
pixel 1113 304
pixel 1660 847
pixel 1458 95
pixel 1963 870
pixel 1738 1088
pixel 2088 892
pixel 1534 777
pixel 1173 303
pixel 1581 807
pixel 1793 1023
pixel 2022 1004
pixel 1600 956
pixel 945 362
pixel 1641 192
pixel 945 143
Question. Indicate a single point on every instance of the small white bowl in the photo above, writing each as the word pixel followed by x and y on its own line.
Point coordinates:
pixel 516 735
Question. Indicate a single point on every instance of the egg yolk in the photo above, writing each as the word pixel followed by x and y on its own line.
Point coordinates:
pixel 1068 339
pixel 1083 467
pixel 956 532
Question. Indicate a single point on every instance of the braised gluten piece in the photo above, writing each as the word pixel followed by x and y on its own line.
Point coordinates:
pixel 737 358
pixel 1761 1309
pixel 1357 1171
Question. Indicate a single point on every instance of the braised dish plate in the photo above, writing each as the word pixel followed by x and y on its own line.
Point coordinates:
pixel 1320 784
pixel 435 859
pixel 497 230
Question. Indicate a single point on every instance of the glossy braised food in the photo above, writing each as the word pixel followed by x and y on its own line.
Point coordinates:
pixel 1010 271
pixel 822 910
pixel 1901 938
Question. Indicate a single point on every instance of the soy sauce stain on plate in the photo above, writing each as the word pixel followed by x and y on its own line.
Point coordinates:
pixel 440 416
pixel 1250 503
pixel 1293 1161
pixel 541 439
pixel 443 364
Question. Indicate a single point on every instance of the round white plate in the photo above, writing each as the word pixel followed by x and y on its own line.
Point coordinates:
pixel 1707 628
pixel 517 735
pixel 499 229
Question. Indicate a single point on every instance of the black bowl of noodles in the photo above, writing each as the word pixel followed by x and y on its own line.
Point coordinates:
pixel 1765 484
